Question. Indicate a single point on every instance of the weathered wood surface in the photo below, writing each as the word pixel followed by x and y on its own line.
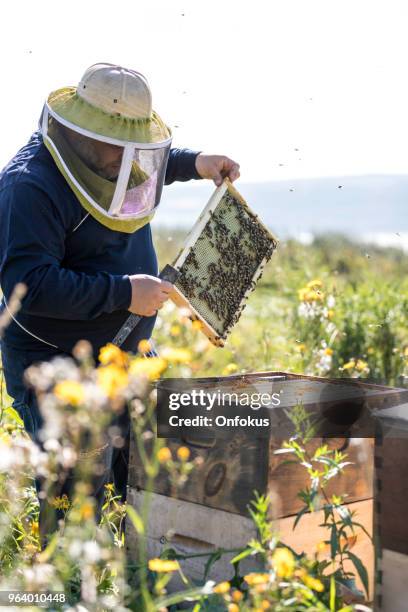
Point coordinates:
pixel 192 528
pixel 392 592
pixel 233 468
pixel 309 389
pixel 391 477
pixel 391 511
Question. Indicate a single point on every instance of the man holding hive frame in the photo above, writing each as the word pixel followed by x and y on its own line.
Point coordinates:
pixel 75 207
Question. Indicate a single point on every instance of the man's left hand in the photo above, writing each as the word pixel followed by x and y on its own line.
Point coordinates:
pixel 216 168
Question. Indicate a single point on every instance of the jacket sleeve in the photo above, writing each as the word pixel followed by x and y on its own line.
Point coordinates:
pixel 32 246
pixel 181 166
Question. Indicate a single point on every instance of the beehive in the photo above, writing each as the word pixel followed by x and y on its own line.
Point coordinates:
pixel 223 486
pixel 391 508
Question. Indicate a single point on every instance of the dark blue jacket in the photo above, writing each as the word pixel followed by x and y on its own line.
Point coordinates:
pixel 78 285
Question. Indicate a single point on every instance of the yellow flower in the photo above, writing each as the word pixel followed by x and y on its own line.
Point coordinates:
pixel 301 347
pixel 230 368
pixel 177 355
pixel 321 547
pixel 302 293
pixel 31 549
pixel 70 392
pixel 113 354
pixel 265 605
pixel 112 379
pixel 318 295
pixel 222 588
pixel 163 565
pixel 328 351
pixel 313 284
pixel 175 330
pixel 349 365
pixel 60 503
pixel 313 583
pixel 370 350
pixel 183 453
pixel 232 607
pixel 35 528
pixel 144 346
pixel 237 596
pixel 310 295
pixel 256 578
pixel 330 313
pixel 164 455
pixel 86 511
pixel 361 365
pixel 197 325
pixel 110 486
pixel 151 367
pixel 283 562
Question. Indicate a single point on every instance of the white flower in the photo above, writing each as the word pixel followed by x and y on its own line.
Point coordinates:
pixel 68 457
pixel 75 549
pixel 38 576
pixel 136 408
pixel 52 445
pixel 331 301
pixel 207 589
pixel 95 398
pixel 309 310
pixel 6 457
pixel 91 551
pixel 183 312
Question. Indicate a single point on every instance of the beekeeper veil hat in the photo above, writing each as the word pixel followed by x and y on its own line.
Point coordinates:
pixel 109 144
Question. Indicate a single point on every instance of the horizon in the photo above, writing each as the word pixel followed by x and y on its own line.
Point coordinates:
pixel 294 101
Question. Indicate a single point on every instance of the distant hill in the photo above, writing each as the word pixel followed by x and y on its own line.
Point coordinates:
pixel 357 205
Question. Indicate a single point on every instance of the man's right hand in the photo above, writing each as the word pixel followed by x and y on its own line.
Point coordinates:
pixel 148 294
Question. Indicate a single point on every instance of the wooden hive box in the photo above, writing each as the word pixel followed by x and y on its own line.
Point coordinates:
pixel 219 491
pixel 391 510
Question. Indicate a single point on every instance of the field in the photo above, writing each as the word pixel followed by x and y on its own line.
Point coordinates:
pixel 333 308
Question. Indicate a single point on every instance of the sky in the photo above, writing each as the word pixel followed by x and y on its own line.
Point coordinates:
pixel 288 88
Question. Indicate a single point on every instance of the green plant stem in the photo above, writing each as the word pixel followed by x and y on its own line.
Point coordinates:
pixel 333 517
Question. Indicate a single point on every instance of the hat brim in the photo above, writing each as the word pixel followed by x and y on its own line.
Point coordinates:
pixel 66 104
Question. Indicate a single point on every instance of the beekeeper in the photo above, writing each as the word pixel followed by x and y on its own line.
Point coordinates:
pixel 75 209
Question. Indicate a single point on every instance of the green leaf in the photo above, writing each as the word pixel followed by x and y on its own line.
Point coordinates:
pixel 51 547
pixel 210 562
pixel 299 515
pixel 334 544
pixel 344 514
pixel 364 529
pixel 242 555
pixel 136 520
pixel 322 450
pixel 332 594
pixel 327 509
pixel 14 416
pixel 361 570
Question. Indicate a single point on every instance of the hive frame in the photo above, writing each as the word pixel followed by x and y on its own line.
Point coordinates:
pixel 177 296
